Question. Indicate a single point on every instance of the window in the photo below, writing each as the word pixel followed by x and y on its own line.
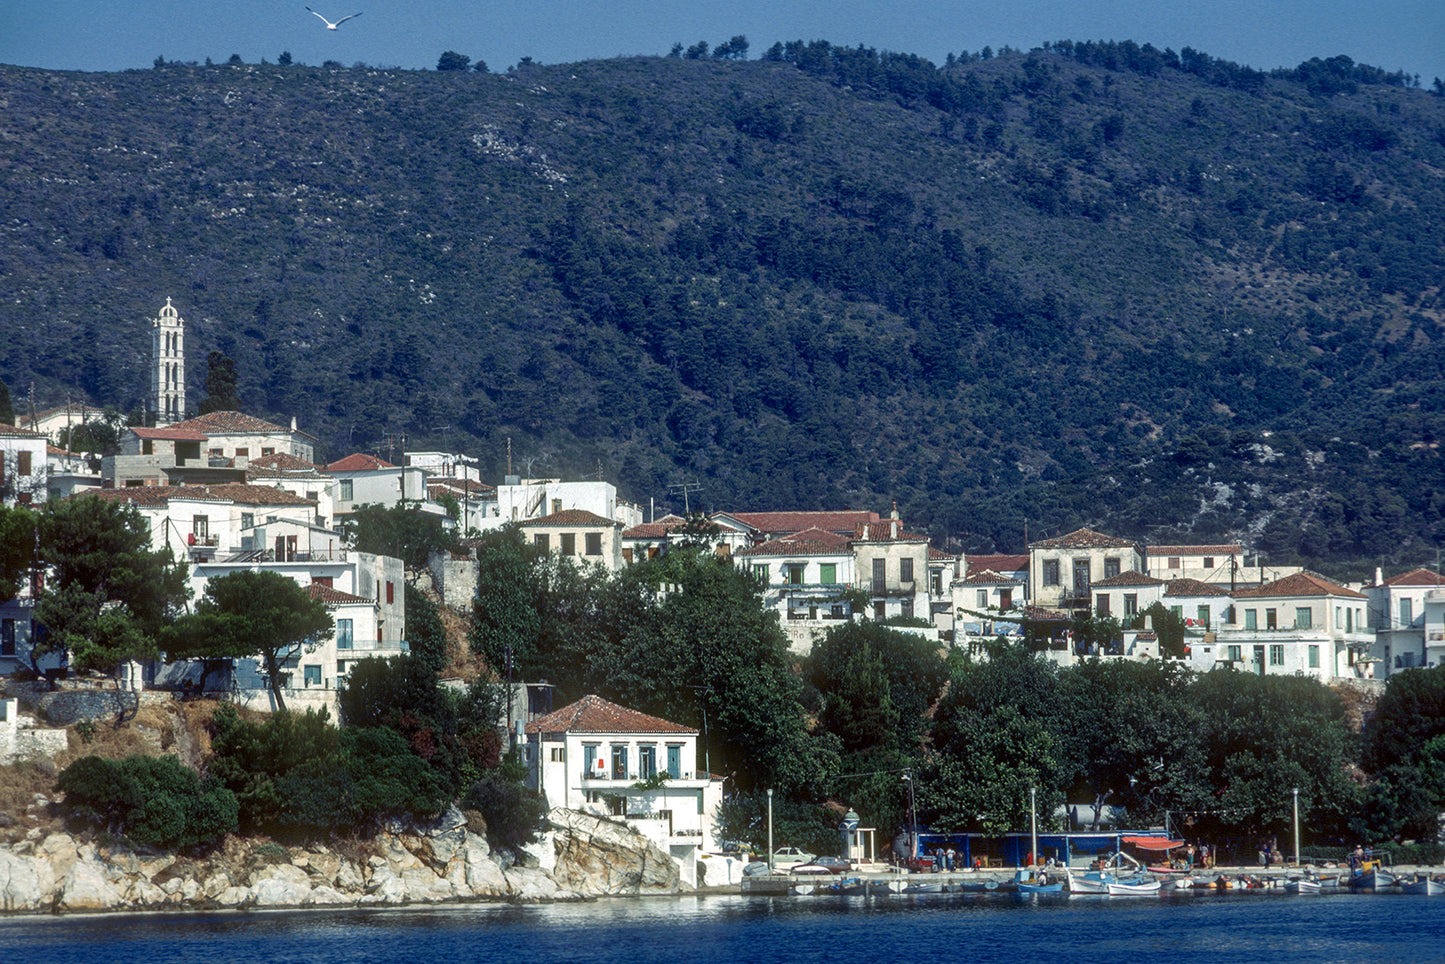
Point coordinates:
pixel 559 754
pixel 267 450
pixel 248 520
pixel 619 761
pixel 1178 611
pixel 1407 615
pixel 828 573
pixel 1349 620
pixel 627 556
pixel 7 637
pixel 905 570
pixel 761 573
pixel 935 582
pixel 1173 562
pixel 1251 619
pixel 1271 619
pixel 594 543
pixel 1304 617
pixel 983 599
pixel 793 573
pixel 646 762
pixel 879 611
pixel 674 760
pixel 907 607
pixel 1314 657
pixel 1208 562
pixel 556 506
pixel 390 592
pixel 1234 653
pixel 568 544
pixel 1201 616
pixel 313 675
pixel 243 453
pixel 346 490
pixel 340 668
pixel 1131 604
pixel 880 575
pixel 1081 577
pixel 1005 598
pixel 1276 654
pixel 1103 606
pixel 1111 568
pixel 541 542
pixel 200 527
pixel 343 634
pixel 1051 572
pixel 590 760
pixel 22 463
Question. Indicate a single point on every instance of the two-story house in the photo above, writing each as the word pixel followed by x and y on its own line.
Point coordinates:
pixel 1399 614
pixel 1063 570
pixel 597 756
pixel 362 479
pixel 578 534
pixel 804 576
pixel 892 568
pixel 1301 624
pixel 1126 595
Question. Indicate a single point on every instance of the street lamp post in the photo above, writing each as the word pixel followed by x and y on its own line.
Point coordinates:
pixel 770 830
pixel 912 817
pixel 1296 826
pixel 1033 826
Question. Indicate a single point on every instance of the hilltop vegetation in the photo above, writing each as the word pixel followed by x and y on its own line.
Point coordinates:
pixel 1161 294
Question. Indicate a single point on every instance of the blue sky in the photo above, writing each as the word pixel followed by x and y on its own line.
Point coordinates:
pixel 119 34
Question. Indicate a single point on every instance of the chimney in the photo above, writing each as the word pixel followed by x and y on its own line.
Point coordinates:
pixel 293 423
pixel 1379 577
pixel 893 520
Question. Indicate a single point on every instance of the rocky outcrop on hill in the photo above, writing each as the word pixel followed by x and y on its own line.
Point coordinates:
pixel 580 856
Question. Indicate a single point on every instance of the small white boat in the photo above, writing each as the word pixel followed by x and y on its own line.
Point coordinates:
pixel 1426 886
pixel 1302 885
pixel 1134 888
pixel 1093 882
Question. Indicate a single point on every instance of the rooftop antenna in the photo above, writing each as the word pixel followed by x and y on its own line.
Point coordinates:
pixel 686 487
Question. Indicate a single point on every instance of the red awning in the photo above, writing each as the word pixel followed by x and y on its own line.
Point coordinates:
pixel 1153 843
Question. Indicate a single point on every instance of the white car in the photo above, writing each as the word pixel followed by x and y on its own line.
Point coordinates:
pixel 786 858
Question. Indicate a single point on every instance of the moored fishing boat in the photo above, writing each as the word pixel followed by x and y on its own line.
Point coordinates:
pixel 1029 881
pixel 1137 887
pixel 1423 885
pixel 1302 885
pixel 1375 879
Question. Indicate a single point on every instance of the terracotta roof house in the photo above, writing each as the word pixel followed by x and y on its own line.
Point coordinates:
pixel 1407 612
pixel 592 755
pixel 579 534
pixel 1063 569
pixel 1302 624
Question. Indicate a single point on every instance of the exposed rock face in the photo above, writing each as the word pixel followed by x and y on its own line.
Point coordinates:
pixel 580 856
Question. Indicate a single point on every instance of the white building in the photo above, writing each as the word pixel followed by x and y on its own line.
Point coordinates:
pixel 367 480
pixel 1302 624
pixel 519 501
pixel 1406 613
pixel 578 534
pixel 168 369
pixel 606 759
pixel 1063 570
pixel 23 469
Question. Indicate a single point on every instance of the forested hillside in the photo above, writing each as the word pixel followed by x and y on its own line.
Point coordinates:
pixel 1163 295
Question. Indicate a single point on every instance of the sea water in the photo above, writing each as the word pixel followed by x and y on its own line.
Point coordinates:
pixel 1204 929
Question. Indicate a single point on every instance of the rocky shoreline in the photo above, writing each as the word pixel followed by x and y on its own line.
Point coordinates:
pixel 581 856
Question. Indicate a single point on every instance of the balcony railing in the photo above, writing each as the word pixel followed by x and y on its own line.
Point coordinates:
pixel 610 777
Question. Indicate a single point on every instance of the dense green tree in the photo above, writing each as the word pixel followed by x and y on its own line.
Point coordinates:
pixel 252 613
pixel 507 628
pixel 154 801
pixel 7 407
pixel 250 758
pixel 221 385
pixel 373 775
pixel 1409 715
pixel 108 593
pixel 451 60
pixel 985 765
pixel 426 636
pixel 17 548
pixel 404 532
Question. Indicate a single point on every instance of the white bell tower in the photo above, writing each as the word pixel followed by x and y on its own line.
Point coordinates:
pixel 168 379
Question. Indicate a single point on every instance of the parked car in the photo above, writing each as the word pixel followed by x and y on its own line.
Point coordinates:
pixel 786 858
pixel 824 865
pixel 757 868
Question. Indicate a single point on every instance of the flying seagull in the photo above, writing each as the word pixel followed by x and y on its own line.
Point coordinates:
pixel 329 24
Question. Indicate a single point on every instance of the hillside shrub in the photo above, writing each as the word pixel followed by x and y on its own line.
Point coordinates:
pixel 151 800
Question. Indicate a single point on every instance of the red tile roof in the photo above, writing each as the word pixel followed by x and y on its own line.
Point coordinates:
pixel 331 596
pixel 797 547
pixel 1221 550
pixel 655 530
pixel 469 486
pixel 1298 584
pixel 279 465
pixel 1193 587
pixel 570 517
pixel 1416 577
pixel 221 423
pixel 1130 578
pixel 883 532
pixel 173 433
pixel 222 492
pixel 984 577
pixel 15 431
pixel 359 462
pixel 1083 539
pixel 999 563
pixel 844 522
pixel 593 714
